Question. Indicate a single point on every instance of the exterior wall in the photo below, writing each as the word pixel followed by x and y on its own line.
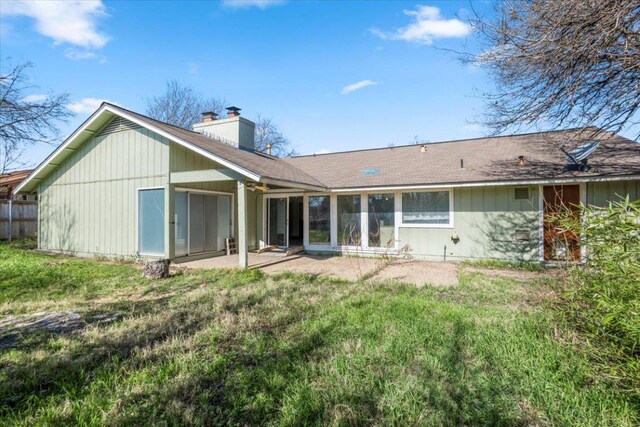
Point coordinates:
pixel 601 193
pixel 183 159
pixel 485 220
pixel 88 203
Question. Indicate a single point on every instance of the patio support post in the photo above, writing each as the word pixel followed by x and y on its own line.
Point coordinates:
pixel 242 225
pixel 170 221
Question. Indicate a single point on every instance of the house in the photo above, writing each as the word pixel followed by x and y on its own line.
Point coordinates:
pixel 9 181
pixel 124 185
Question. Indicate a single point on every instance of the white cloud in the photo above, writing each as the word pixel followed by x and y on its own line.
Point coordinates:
pixel 428 25
pixel 260 4
pixel 79 55
pixel 357 86
pixel 85 105
pixel 35 98
pixel 72 21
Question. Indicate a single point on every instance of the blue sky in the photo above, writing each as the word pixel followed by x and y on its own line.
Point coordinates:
pixel 333 75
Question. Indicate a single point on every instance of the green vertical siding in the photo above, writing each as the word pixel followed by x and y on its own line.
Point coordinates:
pixel 485 220
pixel 601 193
pixel 88 203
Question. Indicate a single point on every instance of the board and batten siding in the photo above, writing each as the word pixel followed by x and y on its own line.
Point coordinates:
pixel 486 220
pixel 88 203
pixel 601 193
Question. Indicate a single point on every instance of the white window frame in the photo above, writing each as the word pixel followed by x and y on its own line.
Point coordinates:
pixel 138 190
pixel 332 226
pixel 364 213
pixel 434 190
pixel 265 205
pixel 190 191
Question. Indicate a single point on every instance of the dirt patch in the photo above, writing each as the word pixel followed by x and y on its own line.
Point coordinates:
pixel 419 272
pixel 521 275
pixel 340 267
pixel 14 328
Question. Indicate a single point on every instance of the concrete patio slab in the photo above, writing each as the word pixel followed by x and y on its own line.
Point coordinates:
pixel 343 267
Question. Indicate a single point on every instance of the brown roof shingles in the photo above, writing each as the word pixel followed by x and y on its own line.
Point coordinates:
pixel 492 159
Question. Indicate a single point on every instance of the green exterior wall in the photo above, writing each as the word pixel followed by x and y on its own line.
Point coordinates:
pixel 87 205
pixel 601 193
pixel 485 220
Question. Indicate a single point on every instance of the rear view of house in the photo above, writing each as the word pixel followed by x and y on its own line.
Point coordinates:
pixel 126 185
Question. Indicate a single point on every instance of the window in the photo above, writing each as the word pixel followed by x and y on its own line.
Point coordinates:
pixel 319 220
pixel 349 220
pixel 151 221
pixel 381 220
pixel 427 208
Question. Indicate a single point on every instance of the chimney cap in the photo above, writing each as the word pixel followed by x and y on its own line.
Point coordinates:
pixel 209 116
pixel 233 109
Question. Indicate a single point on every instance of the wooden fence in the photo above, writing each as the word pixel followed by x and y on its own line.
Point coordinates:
pixel 18 218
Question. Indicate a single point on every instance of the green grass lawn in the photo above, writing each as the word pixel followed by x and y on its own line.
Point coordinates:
pixel 244 348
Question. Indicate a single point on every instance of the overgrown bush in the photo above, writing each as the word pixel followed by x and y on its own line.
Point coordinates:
pixel 603 298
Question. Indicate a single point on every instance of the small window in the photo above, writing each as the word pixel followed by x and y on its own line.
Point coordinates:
pixel 427 208
pixel 521 193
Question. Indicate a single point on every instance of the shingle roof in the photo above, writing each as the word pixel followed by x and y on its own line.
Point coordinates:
pixel 492 159
pixel 259 163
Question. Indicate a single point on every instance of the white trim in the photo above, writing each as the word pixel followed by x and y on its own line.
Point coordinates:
pixel 60 149
pixel 247 173
pixel 582 191
pixel 541 222
pixel 583 201
pixel 265 214
pixel 559 181
pixel 138 190
pixel 106 107
pixel 450 224
pixel 285 183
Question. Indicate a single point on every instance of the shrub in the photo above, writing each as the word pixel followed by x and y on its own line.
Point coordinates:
pixel 603 298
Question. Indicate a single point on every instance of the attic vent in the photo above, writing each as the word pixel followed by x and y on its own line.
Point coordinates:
pixel 521 193
pixel 118 124
pixel 521 235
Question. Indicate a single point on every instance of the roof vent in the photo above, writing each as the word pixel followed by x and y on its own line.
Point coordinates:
pixel 521 161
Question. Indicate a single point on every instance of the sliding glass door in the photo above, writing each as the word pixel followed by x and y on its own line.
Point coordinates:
pixel 202 222
pixel 277 221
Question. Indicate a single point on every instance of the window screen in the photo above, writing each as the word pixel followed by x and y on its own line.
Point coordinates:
pixel 426 208
pixel 151 221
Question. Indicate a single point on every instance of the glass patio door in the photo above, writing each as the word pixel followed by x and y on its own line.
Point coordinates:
pixel 277 222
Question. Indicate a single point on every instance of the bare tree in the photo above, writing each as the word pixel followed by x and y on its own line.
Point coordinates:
pixel 181 105
pixel 26 120
pixel 559 63
pixel 269 135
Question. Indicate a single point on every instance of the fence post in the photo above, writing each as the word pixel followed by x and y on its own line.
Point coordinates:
pixel 10 219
